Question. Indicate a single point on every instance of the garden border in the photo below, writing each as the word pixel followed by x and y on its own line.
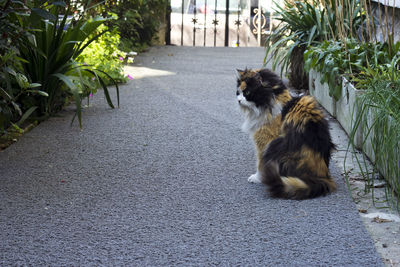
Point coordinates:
pixel 345 111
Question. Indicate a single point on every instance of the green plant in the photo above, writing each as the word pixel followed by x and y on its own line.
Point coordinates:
pixel 103 54
pixel 346 19
pixel 379 120
pixel 137 21
pixel 14 85
pixel 49 57
pixel 334 59
pixel 303 24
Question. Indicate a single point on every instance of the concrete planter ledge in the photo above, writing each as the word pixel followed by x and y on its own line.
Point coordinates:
pixel 346 110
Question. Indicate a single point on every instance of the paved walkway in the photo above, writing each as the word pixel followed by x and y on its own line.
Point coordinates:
pixel 163 181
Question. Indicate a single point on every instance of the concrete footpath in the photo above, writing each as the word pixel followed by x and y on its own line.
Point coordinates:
pixel 162 181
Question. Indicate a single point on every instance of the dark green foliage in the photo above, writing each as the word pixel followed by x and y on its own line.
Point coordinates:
pixel 304 24
pixel 49 56
pixel 138 21
pixel 352 59
pixel 15 88
pixel 41 40
pixel 301 24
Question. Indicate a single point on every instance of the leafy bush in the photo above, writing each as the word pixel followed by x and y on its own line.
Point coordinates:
pixel 103 54
pixel 304 24
pixel 138 21
pixel 14 85
pixel 352 59
pixel 49 57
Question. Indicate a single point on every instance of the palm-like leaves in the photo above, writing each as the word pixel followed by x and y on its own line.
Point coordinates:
pixel 300 24
pixel 57 40
pixel 304 24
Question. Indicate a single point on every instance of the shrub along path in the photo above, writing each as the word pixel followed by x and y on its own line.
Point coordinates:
pixel 163 181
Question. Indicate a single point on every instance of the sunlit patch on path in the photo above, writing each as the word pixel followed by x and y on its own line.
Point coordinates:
pixel 137 72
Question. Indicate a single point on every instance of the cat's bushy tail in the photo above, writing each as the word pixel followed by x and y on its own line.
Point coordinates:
pixel 294 187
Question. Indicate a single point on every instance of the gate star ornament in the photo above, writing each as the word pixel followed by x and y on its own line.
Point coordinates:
pixel 238 22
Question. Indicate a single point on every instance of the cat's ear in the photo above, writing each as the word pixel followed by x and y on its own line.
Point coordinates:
pixel 240 72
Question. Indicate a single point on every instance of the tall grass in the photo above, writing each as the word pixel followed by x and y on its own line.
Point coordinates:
pixel 346 17
pixel 379 121
pixel 379 105
pixel 348 12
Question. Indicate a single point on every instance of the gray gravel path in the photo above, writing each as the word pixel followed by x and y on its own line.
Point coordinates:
pixel 163 181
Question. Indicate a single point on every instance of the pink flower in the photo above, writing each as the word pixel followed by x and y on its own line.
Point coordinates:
pixel 93 78
pixel 91 95
pixel 130 77
pixel 121 58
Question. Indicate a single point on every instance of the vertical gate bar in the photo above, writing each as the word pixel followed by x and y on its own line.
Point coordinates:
pixel 183 4
pixel 259 23
pixel 215 22
pixel 194 23
pixel 205 21
pixel 168 21
pixel 238 24
pixel 227 23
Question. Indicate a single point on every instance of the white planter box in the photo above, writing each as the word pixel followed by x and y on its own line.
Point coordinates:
pixel 367 147
pixel 321 92
pixel 346 110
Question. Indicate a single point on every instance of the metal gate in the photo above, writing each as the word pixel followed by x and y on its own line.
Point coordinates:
pixel 220 22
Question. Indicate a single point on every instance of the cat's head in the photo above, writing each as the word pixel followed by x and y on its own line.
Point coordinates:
pixel 260 91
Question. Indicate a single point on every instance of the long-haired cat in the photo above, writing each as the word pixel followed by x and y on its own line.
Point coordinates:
pixel 291 136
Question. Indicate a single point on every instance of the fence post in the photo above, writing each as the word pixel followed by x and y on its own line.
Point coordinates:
pixel 168 20
pixel 183 11
pixel 227 23
pixel 259 23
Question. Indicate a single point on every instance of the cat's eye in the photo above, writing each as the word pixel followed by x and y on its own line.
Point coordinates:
pixel 246 93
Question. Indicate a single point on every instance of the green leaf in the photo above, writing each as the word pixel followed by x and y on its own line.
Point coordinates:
pixel 16 107
pixel 67 81
pixel 312 33
pixel 11 71
pixel 75 93
pixel 60 4
pixel 5 95
pixel 26 115
pixel 44 14
pixel 34 85
pixel 39 92
pixel 22 80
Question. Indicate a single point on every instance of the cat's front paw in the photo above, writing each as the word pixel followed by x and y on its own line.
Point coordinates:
pixel 255 178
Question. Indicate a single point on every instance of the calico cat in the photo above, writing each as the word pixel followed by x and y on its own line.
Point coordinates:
pixel 291 136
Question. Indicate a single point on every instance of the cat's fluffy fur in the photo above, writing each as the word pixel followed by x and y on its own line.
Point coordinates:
pixel 291 136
